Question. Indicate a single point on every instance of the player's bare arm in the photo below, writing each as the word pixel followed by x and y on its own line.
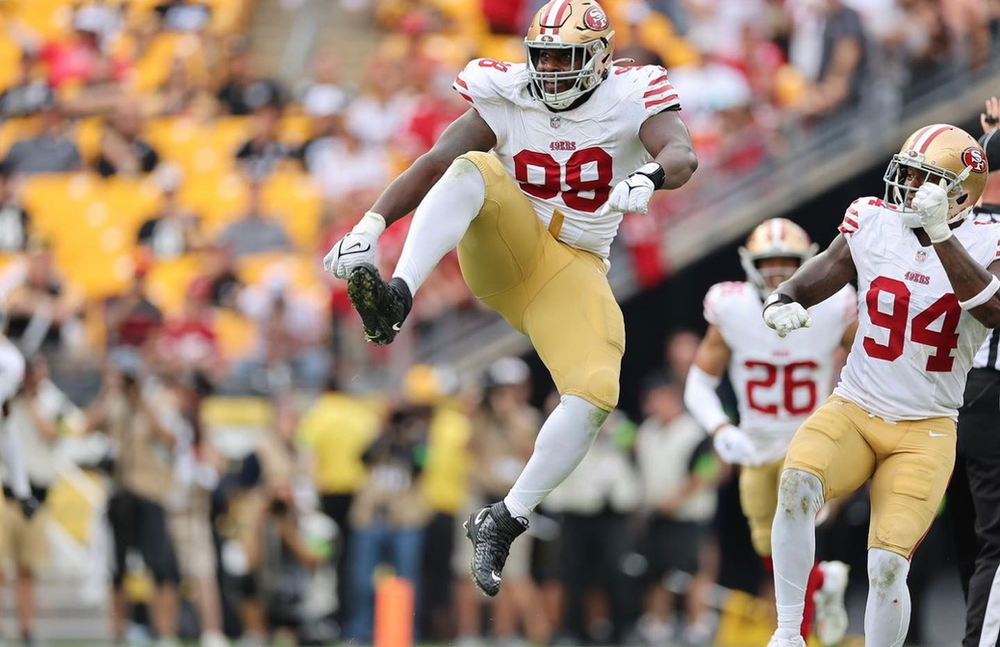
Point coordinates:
pixel 667 139
pixel 822 276
pixel 971 281
pixel 467 133
pixel 713 353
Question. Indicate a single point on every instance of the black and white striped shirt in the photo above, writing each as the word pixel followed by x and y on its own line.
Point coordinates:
pixel 989 354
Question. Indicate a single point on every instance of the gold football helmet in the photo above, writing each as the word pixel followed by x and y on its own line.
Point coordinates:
pixel 583 28
pixel 943 152
pixel 775 238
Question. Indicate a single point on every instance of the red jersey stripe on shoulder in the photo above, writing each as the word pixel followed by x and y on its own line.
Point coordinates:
pixel 661 79
pixel 462 83
pixel 849 221
pixel 672 97
pixel 467 98
pixel 847 232
pixel 662 88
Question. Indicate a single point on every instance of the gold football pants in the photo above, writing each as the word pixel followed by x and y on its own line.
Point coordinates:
pixel 909 463
pixel 555 294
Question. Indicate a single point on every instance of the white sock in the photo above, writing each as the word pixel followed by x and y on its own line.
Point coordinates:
pixel 563 441
pixel 441 221
pixel 887 614
pixel 793 542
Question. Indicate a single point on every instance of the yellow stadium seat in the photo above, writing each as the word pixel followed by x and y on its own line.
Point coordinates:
pixel 51 19
pixel 87 134
pixel 10 62
pixel 13 130
pixel 237 335
pixel 295 198
pixel 168 280
pixel 219 412
pixel 154 66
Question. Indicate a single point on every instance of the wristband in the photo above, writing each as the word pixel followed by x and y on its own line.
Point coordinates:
pixel 985 295
pixel 654 172
pixel 775 299
pixel 372 223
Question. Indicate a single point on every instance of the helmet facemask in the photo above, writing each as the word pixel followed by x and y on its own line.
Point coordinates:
pixel 899 191
pixel 584 72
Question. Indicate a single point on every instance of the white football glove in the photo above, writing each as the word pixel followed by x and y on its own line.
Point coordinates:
pixel 356 248
pixel 734 446
pixel 783 318
pixel 931 204
pixel 632 195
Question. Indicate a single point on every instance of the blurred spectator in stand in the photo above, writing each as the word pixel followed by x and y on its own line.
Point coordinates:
pixel 14 220
pixel 291 335
pixel 255 232
pixel 29 93
pixel 326 95
pixel 263 153
pixel 182 15
pixel 968 21
pixel 842 62
pixel 343 165
pixel 132 319
pixel 219 269
pixel 380 110
pixel 189 344
pixel 122 149
pixel 135 421
pixel 180 95
pixel 679 351
pixel 679 474
pixel 242 92
pixel 43 313
pixel 389 514
pixel 81 59
pixel 35 416
pixel 174 230
pixel 595 502
pixel 444 484
pixel 505 430
pixel 50 151
pixel 196 475
pixel 336 431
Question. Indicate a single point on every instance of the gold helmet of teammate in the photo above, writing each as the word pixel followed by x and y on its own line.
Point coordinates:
pixel 932 154
pixel 582 29
pixel 777 238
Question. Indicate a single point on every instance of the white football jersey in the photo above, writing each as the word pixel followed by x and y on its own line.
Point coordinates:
pixel 778 381
pixel 915 345
pixel 569 160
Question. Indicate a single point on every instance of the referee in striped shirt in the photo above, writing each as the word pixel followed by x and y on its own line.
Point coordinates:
pixel 974 491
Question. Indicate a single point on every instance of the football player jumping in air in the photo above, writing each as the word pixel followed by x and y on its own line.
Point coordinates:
pixel 530 185
pixel 778 382
pixel 927 286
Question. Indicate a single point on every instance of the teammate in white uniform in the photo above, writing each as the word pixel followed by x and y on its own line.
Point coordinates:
pixel 530 185
pixel 778 382
pixel 11 377
pixel 927 296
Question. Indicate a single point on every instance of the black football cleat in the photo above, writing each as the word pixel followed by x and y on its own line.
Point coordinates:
pixel 491 531
pixel 382 306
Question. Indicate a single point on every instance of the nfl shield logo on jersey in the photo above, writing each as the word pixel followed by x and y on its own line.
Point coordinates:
pixel 555 122
pixel 921 255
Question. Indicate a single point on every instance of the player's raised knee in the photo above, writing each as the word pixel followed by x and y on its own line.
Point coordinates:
pixel 800 494
pixel 485 163
pixel 886 571
pixel 603 388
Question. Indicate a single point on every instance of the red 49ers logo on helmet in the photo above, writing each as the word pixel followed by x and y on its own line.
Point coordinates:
pixel 973 157
pixel 595 19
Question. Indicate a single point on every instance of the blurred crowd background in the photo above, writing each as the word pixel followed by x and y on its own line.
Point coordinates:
pixel 219 454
